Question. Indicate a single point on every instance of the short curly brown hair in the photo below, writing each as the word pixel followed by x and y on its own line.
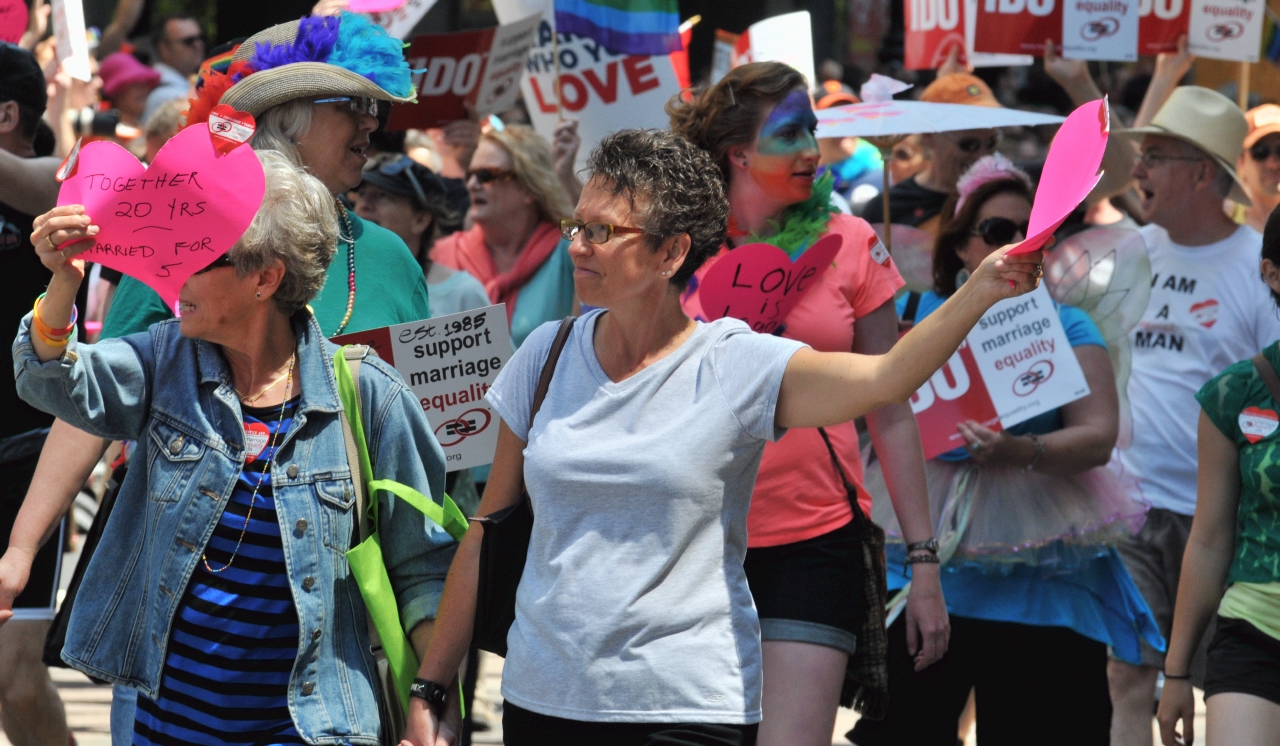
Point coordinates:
pixel 728 114
pixel 676 185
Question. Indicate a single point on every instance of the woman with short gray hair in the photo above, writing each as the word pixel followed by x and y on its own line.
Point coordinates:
pixel 220 590
pixel 634 623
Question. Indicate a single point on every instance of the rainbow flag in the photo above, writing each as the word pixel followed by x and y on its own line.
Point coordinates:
pixel 623 26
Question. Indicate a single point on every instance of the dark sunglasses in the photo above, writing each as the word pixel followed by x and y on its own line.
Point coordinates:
pixel 359 105
pixel 486 175
pixel 189 41
pixel 1260 152
pixel 972 145
pixel 222 261
pixel 999 231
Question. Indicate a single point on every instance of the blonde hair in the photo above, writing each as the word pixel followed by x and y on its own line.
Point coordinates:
pixel 534 169
pixel 297 224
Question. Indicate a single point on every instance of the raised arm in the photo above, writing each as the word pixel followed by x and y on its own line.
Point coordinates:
pixel 28 184
pixel 823 388
pixel 1117 161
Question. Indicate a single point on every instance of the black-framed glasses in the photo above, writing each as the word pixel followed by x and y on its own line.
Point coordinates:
pixel 593 232
pixel 1000 231
pixel 1261 152
pixel 360 105
pixel 486 175
pixel 222 261
pixel 1151 158
pixel 404 165
pixel 971 145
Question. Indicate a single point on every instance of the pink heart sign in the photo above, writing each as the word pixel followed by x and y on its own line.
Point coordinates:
pixel 13 20
pixel 759 284
pixel 1070 172
pixel 162 224
pixel 374 6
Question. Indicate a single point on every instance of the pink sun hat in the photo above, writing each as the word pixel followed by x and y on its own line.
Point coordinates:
pixel 123 69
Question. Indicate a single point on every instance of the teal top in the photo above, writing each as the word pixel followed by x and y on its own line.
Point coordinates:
pixel 1237 402
pixel 548 296
pixel 390 289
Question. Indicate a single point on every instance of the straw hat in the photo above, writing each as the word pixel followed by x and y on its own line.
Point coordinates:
pixel 265 88
pixel 1209 121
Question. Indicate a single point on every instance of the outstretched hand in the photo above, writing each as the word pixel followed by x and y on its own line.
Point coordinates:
pixel 1002 276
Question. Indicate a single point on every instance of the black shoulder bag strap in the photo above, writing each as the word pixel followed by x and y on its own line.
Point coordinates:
pixel 913 305
pixel 866 683
pixel 1268 375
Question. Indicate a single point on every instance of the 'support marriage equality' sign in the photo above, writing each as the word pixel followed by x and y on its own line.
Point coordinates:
pixel 449 362
pixel 1016 364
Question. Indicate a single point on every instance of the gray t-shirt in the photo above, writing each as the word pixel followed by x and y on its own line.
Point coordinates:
pixel 634 606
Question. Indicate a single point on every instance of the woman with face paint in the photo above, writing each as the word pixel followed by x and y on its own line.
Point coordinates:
pixel 806 562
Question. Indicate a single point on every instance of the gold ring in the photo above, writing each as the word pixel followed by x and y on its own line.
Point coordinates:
pixel 49 240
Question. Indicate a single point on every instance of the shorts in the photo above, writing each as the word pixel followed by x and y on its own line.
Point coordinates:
pixel 521 727
pixel 1154 559
pixel 1243 659
pixel 39 600
pixel 810 591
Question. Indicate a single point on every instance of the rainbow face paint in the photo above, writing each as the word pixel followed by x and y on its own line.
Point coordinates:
pixel 786 153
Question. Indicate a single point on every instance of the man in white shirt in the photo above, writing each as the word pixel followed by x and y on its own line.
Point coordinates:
pixel 1209 308
pixel 179 48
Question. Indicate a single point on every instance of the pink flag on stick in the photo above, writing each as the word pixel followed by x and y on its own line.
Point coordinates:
pixel 162 224
pixel 1070 172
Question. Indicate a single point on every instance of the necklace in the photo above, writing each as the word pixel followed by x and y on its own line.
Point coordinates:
pixel 803 222
pixel 253 499
pixel 251 399
pixel 350 241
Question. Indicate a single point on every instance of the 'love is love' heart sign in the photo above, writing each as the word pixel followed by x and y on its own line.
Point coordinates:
pixel 759 284
pixel 1070 172
pixel 163 223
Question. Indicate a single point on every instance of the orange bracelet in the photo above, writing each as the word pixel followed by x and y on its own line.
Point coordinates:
pixel 49 335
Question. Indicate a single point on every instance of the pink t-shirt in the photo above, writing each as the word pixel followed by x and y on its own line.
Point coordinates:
pixel 798 495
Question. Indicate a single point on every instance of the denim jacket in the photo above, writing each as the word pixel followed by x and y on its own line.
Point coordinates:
pixel 174 396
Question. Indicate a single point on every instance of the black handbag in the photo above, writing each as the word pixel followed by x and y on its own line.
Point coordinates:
pixel 504 546
pixel 57 636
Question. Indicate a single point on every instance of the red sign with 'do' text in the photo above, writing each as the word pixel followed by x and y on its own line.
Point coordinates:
pixel 1017 26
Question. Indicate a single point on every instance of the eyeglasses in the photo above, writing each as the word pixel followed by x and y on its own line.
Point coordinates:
pixel 486 175
pixel 972 145
pixel 593 232
pixel 189 41
pixel 360 105
pixel 404 165
pixel 1151 158
pixel 999 231
pixel 1260 152
pixel 222 261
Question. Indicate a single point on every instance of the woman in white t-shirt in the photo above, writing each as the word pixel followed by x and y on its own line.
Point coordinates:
pixel 634 623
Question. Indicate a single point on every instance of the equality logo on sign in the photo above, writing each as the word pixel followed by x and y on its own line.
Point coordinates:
pixel 470 422
pixel 1100 29
pixel 1027 383
pixel 1256 424
pixel 1226 29
pixel 1104 30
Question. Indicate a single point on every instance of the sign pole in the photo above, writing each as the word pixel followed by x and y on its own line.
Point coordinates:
pixel 555 52
pixel 1242 93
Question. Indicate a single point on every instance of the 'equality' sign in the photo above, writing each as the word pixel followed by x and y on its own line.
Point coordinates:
pixel 1016 364
pixel 449 363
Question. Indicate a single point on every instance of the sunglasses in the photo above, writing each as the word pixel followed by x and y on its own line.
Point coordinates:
pixel 999 231
pixel 360 105
pixel 972 145
pixel 486 175
pixel 404 165
pixel 593 232
pixel 1260 152
pixel 222 261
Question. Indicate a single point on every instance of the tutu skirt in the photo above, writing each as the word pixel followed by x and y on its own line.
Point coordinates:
pixel 1006 517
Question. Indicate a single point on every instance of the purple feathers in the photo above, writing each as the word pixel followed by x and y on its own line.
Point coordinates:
pixel 314 43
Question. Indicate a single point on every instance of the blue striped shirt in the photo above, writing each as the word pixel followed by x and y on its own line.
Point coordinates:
pixel 235 634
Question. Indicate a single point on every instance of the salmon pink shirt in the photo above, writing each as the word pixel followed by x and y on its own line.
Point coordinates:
pixel 798 494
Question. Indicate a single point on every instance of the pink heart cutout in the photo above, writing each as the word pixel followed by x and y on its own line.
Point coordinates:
pixel 162 224
pixel 759 284
pixel 13 20
pixel 1070 172
pixel 374 6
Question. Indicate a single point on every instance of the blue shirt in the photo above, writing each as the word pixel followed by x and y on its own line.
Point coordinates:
pixel 1096 599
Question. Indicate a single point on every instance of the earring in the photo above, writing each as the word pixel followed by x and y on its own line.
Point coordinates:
pixel 259 296
pixel 665 273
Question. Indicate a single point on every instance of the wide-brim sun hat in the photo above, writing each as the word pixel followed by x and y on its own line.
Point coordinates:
pixel 317 56
pixel 1206 119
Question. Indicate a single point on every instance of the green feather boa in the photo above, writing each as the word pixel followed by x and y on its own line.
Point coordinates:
pixel 803 222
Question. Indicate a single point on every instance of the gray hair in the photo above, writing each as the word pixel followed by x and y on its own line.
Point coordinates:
pixel 297 224
pixel 279 128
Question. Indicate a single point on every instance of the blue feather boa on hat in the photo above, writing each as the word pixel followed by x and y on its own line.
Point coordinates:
pixel 349 41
